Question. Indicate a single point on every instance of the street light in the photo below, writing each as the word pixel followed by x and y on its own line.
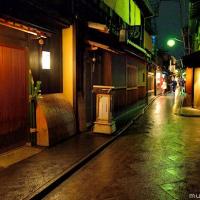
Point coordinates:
pixel 171 42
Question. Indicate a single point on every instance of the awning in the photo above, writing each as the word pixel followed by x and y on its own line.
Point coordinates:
pixel 97 39
pixel 101 40
pixel 192 60
pixel 95 45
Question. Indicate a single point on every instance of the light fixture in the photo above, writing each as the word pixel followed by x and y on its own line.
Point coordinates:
pixel 100 27
pixel 171 43
pixel 46 60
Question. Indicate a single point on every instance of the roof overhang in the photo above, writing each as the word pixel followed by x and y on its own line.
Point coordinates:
pixel 96 45
pixel 145 7
pixel 97 39
pixel 34 13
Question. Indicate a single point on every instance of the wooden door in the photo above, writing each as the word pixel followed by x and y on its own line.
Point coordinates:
pixel 13 97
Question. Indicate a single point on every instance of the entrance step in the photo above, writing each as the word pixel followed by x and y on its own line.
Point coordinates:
pixel 16 155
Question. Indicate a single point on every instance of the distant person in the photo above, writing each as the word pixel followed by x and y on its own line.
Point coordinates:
pixel 177 92
pixel 164 87
pixel 182 85
pixel 174 84
pixel 177 100
pixel 170 86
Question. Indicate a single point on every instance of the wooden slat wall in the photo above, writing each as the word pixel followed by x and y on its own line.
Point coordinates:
pixel 141 92
pixel 107 69
pixel 119 99
pixel 51 79
pixel 13 95
pixel 132 96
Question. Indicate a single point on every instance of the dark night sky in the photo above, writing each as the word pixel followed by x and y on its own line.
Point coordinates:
pixel 169 25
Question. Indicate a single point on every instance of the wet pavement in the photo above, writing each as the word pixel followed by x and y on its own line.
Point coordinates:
pixel 35 176
pixel 25 179
pixel 157 158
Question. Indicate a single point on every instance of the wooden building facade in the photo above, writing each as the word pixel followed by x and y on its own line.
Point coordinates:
pixel 82 54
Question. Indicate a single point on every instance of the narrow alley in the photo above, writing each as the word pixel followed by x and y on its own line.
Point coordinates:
pixel 99 99
pixel 157 158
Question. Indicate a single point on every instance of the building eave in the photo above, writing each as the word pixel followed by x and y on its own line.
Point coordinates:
pixel 192 60
pixel 33 14
pixel 145 7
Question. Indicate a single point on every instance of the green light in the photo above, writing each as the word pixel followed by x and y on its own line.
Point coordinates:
pixel 127 10
pixel 171 43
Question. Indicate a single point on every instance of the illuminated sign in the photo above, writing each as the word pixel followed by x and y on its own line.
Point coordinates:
pixel 45 60
pixel 127 10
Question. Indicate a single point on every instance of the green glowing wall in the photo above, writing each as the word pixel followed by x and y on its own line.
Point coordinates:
pixel 127 10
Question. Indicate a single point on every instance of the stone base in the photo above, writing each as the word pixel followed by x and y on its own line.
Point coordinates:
pixel 104 127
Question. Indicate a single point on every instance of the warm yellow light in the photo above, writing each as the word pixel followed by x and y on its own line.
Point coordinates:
pixel 45 60
pixel 98 26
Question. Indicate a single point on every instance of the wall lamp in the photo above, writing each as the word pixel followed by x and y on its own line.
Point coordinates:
pixel 46 60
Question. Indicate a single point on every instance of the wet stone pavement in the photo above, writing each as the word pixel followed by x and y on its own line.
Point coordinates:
pixel 157 158
pixel 27 177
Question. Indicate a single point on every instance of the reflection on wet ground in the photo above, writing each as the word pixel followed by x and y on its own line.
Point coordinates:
pixel 158 158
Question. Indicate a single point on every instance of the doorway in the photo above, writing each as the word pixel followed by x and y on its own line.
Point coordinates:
pixel 13 97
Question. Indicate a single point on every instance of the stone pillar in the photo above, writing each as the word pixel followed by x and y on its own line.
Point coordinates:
pixel 104 122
